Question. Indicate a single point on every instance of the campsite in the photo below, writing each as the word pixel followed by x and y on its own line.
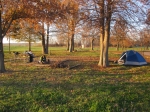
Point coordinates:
pixel 39 87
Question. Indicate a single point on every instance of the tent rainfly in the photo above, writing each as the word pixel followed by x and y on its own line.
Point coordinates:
pixel 131 57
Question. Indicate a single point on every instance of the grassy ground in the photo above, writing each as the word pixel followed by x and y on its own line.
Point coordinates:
pixel 27 87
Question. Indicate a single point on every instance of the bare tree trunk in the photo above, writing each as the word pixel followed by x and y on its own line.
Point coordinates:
pixel 43 45
pixel 92 40
pixel 147 47
pixel 122 45
pixel 43 41
pixel 29 46
pixel 71 44
pixel 9 45
pixel 2 66
pixel 105 34
pixel 47 39
pixel 106 43
pixel 29 43
pixel 68 44
pixel 101 33
pixel 117 46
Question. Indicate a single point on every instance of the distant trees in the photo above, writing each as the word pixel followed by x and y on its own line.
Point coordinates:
pixel 119 32
pixel 49 11
pixel 24 31
pixel 91 33
pixel 145 38
pixel 72 18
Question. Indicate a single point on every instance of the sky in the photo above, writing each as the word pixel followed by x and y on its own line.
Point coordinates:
pixel 5 40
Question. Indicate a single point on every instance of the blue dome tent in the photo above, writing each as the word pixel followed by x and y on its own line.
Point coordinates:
pixel 131 58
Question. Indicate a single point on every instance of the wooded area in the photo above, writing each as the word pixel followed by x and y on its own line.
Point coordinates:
pixel 120 23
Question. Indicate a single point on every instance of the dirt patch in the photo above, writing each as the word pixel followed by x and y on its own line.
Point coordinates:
pixel 74 62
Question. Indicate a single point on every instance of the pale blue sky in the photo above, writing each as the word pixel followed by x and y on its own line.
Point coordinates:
pixel 5 40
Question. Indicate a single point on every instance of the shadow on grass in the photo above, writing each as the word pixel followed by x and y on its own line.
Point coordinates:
pixel 72 90
pixel 115 89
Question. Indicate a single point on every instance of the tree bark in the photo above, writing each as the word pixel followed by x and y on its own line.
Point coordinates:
pixel 92 40
pixel 117 46
pixel 105 33
pixel 106 43
pixel 101 33
pixel 9 45
pixel 47 39
pixel 71 44
pixel 43 44
pixel 2 66
pixel 72 30
pixel 29 43
pixel 43 40
pixel 68 44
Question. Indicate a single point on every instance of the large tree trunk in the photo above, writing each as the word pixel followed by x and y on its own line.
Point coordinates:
pixel 106 44
pixel 101 48
pixel 2 66
pixel 105 34
pixel 101 33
